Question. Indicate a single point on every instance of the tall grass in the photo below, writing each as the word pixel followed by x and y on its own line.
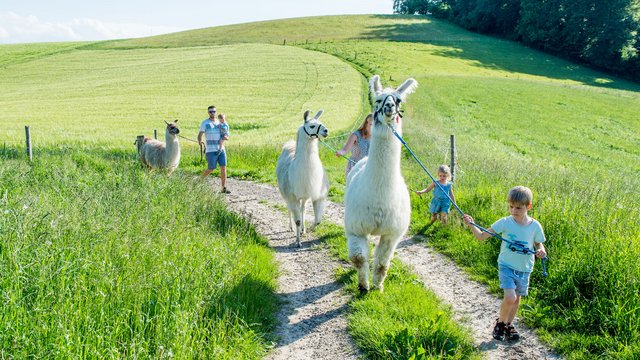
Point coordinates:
pixel 99 259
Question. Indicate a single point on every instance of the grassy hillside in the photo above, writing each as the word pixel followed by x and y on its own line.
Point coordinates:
pixel 110 96
pixel 519 116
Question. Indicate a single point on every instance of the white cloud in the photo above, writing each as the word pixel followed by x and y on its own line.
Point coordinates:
pixel 15 28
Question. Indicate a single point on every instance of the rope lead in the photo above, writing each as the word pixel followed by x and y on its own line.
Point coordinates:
pixel 512 246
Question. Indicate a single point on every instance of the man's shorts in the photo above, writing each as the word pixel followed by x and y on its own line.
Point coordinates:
pixel 215 158
pixel 514 279
pixel 439 205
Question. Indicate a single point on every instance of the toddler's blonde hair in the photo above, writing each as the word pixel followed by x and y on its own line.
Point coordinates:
pixel 222 117
pixel 520 195
pixel 445 170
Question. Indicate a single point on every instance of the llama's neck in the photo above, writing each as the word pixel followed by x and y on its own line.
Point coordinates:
pixel 306 149
pixel 384 155
pixel 172 150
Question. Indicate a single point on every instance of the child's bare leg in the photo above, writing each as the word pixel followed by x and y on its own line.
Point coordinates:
pixel 443 218
pixel 434 217
pixel 514 310
pixel 509 306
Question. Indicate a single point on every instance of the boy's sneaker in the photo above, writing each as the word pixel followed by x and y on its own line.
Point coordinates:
pixel 499 331
pixel 225 191
pixel 511 333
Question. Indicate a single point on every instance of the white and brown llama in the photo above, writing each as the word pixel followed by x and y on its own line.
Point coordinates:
pixel 376 197
pixel 156 154
pixel 300 174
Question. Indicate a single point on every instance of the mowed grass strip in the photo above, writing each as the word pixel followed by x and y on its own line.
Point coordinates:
pixel 102 260
pixel 406 321
pixel 110 96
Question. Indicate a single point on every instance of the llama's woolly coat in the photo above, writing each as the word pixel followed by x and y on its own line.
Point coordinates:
pixel 376 198
pixel 301 176
pixel 376 194
pixel 156 154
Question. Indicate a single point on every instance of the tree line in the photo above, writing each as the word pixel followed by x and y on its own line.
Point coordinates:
pixel 602 34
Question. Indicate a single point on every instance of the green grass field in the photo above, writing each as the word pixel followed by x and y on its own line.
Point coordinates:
pixel 101 260
pixel 110 96
pixel 520 118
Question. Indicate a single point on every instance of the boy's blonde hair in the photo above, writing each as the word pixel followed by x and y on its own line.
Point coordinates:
pixel 445 170
pixel 222 116
pixel 520 195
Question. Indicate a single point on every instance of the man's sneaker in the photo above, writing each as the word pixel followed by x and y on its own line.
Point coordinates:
pixel 511 333
pixel 225 191
pixel 499 330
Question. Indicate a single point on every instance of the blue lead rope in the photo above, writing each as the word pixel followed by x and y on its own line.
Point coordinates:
pixel 511 245
pixel 335 151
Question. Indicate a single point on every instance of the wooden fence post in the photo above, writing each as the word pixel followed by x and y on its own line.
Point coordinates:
pixel 29 149
pixel 453 158
pixel 139 142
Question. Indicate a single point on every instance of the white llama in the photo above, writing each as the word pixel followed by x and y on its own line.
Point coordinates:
pixel 155 154
pixel 300 174
pixel 376 198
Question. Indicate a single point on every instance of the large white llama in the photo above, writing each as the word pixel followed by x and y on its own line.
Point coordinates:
pixel 300 173
pixel 376 198
pixel 155 154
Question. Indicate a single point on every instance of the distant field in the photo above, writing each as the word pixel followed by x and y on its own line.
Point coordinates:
pixel 110 96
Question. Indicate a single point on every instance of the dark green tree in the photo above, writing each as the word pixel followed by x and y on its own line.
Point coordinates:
pixel 411 6
pixel 605 34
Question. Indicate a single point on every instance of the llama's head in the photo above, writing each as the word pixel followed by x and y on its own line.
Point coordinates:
pixel 386 110
pixel 313 128
pixel 172 128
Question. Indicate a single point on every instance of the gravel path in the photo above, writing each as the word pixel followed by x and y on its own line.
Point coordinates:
pixel 312 321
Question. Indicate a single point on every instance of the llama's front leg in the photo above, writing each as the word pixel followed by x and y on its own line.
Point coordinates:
pixel 294 209
pixel 303 205
pixel 290 220
pixel 383 255
pixel 318 209
pixel 359 257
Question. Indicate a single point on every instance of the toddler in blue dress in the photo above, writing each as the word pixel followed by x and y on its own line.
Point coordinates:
pixel 441 203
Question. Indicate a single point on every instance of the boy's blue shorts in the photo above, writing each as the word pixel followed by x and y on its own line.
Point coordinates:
pixel 514 279
pixel 439 205
pixel 215 158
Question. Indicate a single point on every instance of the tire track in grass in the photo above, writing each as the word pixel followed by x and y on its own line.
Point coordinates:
pixel 471 302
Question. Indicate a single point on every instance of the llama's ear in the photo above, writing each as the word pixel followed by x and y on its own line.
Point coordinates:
pixel 318 114
pixel 374 84
pixel 165 121
pixel 175 121
pixel 306 115
pixel 407 87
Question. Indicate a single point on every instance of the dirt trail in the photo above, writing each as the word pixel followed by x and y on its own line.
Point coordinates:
pixel 312 321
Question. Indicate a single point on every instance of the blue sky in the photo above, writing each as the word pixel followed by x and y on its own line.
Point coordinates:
pixel 23 21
